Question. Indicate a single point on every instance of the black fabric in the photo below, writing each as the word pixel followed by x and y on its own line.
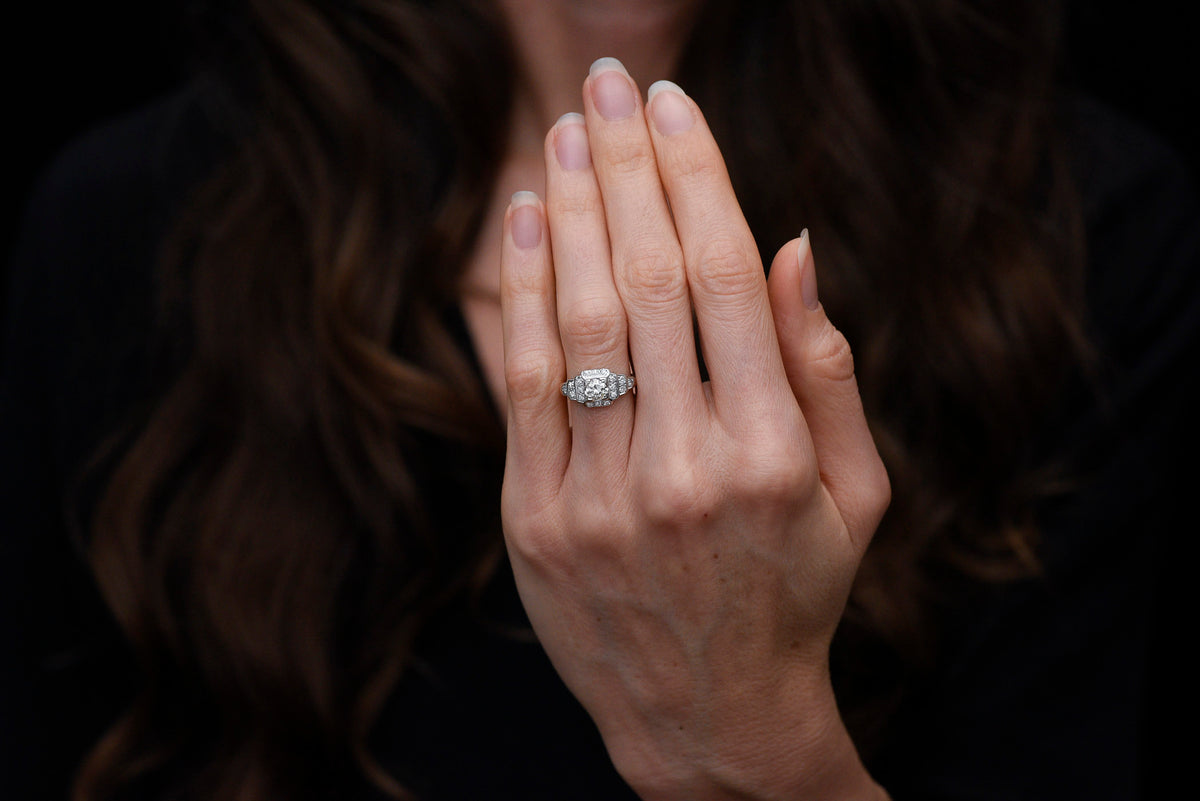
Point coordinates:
pixel 1047 692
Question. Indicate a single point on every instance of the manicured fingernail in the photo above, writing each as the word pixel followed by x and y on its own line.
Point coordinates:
pixel 808 272
pixel 526 220
pixel 612 89
pixel 671 112
pixel 571 143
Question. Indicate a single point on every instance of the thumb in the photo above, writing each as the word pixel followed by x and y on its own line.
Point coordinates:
pixel 820 369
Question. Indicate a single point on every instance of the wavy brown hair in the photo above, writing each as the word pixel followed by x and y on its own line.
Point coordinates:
pixel 266 538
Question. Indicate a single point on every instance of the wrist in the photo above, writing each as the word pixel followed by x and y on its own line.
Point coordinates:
pixel 800 750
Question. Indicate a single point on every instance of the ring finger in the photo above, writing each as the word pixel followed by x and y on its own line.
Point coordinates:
pixel 591 318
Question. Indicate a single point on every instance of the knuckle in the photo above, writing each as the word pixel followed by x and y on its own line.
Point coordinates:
pixel 654 274
pixel 868 498
pixel 575 205
pixel 832 359
pixel 630 158
pixel 879 492
pixel 541 547
pixel 520 285
pixel 593 325
pixel 726 267
pixel 531 529
pixel 696 163
pixel 595 535
pixel 776 479
pixel 676 496
pixel 529 373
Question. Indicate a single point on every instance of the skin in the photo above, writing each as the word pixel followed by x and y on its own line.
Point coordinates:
pixel 685 554
pixel 648 37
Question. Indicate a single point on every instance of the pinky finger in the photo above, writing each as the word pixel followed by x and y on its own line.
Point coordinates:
pixel 534 368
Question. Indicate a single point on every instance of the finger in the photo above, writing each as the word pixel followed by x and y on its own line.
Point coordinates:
pixel 591 319
pixel 538 437
pixel 646 257
pixel 724 270
pixel 820 370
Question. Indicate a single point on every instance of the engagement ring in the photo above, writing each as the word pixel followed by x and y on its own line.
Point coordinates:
pixel 597 387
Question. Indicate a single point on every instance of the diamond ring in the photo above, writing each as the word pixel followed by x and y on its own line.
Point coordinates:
pixel 597 387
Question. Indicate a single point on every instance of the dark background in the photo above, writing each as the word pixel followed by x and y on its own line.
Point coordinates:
pixel 69 66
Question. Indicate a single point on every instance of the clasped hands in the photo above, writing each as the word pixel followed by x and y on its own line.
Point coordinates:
pixel 684 554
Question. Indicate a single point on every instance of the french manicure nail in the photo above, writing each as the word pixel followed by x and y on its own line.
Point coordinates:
pixel 612 89
pixel 571 143
pixel 526 220
pixel 808 272
pixel 671 112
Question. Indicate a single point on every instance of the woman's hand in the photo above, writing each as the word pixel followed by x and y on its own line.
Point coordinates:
pixel 684 555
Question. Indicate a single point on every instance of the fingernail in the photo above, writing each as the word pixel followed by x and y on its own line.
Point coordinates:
pixel 612 89
pixel 808 272
pixel 571 143
pixel 526 220
pixel 671 113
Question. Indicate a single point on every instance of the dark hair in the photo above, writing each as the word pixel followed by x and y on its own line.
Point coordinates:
pixel 265 540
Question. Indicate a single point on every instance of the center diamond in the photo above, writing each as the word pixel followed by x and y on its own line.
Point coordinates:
pixel 594 384
pixel 595 389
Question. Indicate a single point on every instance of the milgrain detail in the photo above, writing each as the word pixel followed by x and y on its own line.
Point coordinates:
pixel 597 387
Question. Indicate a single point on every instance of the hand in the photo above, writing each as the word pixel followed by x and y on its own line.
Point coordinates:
pixel 684 555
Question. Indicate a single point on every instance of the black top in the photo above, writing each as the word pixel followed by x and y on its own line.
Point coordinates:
pixel 1045 694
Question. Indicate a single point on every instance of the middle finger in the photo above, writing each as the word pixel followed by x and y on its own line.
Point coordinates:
pixel 724 272
pixel 647 259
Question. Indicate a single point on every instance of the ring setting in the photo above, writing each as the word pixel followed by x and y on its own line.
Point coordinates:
pixel 597 387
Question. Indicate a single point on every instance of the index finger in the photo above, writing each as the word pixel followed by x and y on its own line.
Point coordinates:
pixel 724 270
